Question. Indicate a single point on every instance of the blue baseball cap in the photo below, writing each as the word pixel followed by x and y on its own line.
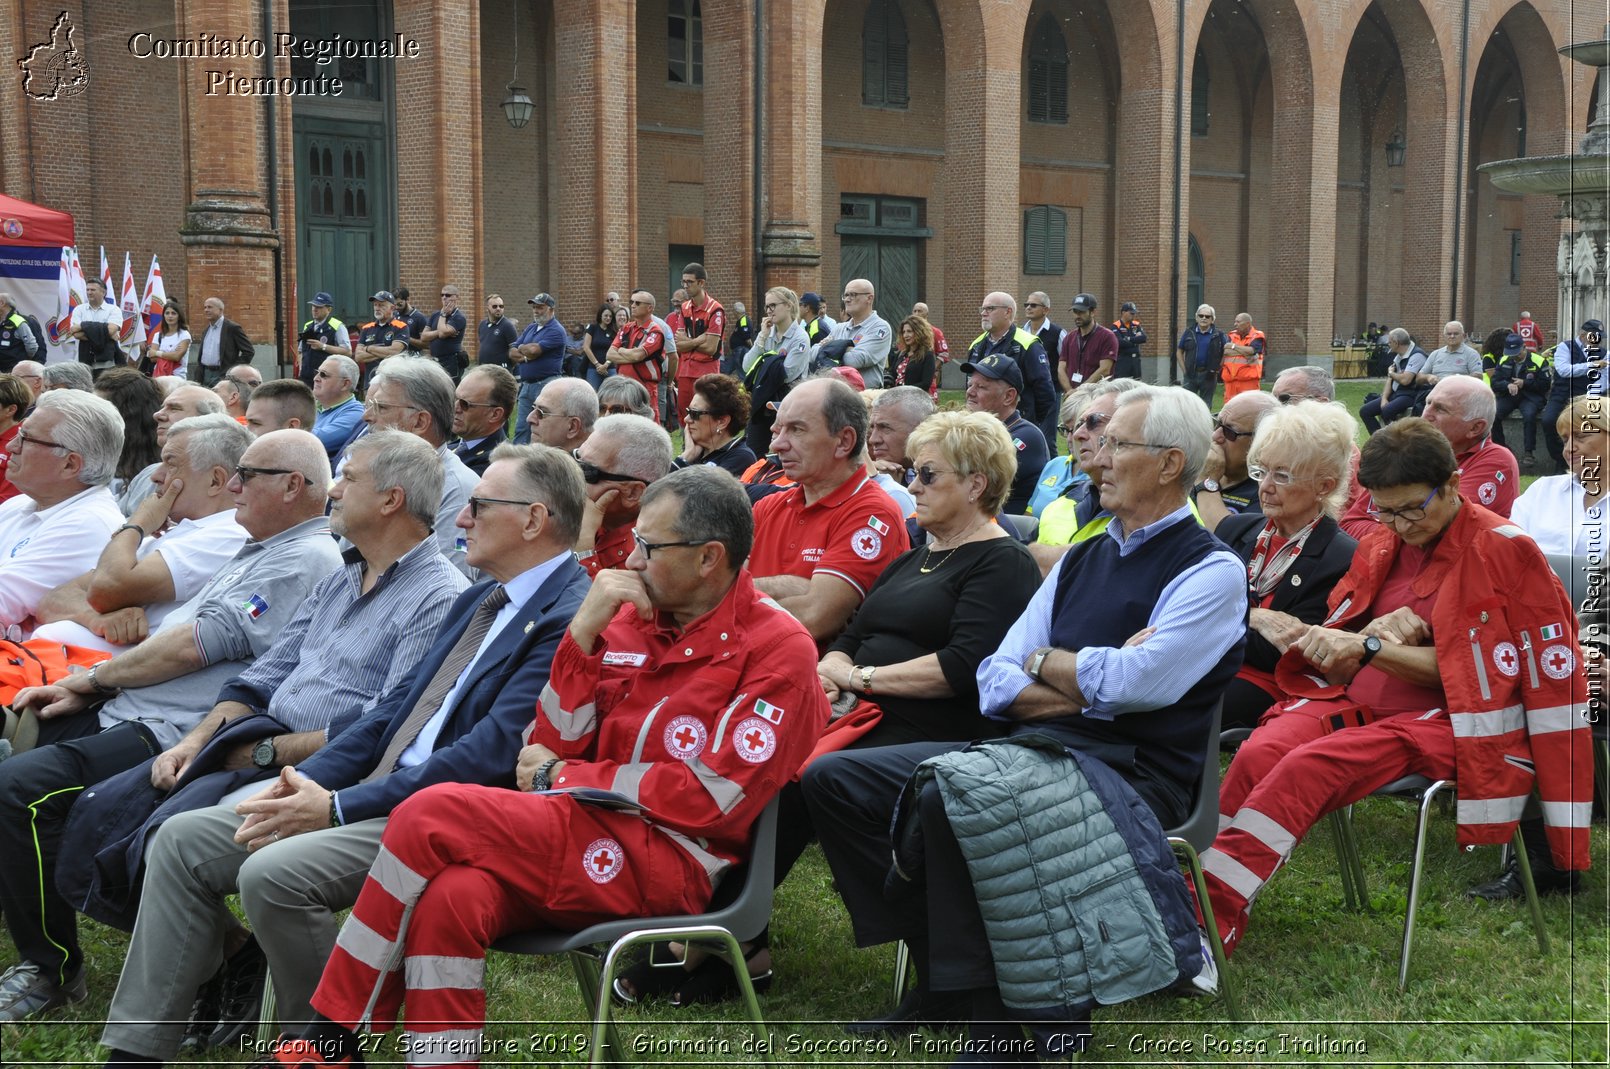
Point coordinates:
pixel 322 298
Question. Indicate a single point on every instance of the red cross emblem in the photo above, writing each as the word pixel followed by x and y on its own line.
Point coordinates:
pixel 602 860
pixel 1507 660
pixel 867 543
pixel 757 740
pixel 685 737
pixel 1558 662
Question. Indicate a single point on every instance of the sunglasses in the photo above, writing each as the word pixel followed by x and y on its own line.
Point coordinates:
pixel 1230 433
pixel 927 474
pixel 592 474
pixel 246 474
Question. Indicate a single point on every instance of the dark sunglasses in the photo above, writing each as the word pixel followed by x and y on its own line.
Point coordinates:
pixel 246 474
pixel 1230 433
pixel 592 474
pixel 927 474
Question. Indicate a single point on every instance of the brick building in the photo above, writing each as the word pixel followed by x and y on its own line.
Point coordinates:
pixel 1147 150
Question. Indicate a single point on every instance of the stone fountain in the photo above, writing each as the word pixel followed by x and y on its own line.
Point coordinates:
pixel 1582 182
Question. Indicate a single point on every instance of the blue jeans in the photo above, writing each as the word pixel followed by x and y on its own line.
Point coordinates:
pixel 523 407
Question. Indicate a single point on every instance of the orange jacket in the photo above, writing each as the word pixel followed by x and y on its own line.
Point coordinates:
pixel 1236 367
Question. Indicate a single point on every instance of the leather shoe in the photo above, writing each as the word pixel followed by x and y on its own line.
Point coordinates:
pixel 918 1009
pixel 25 991
pixel 240 995
pixel 1548 879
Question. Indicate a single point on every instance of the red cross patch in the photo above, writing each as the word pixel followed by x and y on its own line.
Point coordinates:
pixel 603 860
pixel 755 740
pixel 685 737
pixel 1506 659
pixel 1558 662
pixel 867 543
pixel 1487 493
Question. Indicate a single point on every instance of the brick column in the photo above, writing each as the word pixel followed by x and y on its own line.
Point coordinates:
pixel 791 235
pixel 1144 187
pixel 227 233
pixel 729 121
pixel 439 226
pixel 983 101
pixel 597 187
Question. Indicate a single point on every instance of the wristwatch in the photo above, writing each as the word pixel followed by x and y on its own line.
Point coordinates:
pixel 263 755
pixel 1210 485
pixel 1372 646
pixel 541 781
pixel 1035 662
pixel 93 676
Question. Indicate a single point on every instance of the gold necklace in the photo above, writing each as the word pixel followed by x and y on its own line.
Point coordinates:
pixel 928 564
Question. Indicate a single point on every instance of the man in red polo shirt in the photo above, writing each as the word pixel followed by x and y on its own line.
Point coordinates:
pixel 821 544
pixel 640 347
pixel 623 455
pixel 698 337
pixel 1462 407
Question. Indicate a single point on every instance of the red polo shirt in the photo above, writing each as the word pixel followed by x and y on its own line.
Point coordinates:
pixel 852 534
pixel 650 338
pixel 706 318
pixel 1489 476
pixel 6 489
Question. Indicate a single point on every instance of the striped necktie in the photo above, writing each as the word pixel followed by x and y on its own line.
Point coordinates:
pixel 458 659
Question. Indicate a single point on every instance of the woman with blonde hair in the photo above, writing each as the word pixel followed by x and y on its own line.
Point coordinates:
pixel 778 360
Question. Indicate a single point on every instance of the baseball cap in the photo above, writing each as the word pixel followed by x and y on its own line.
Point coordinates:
pixel 811 297
pixel 323 298
pixel 1513 345
pixel 1593 326
pixel 542 298
pixel 1085 302
pixel 997 366
pixel 384 295
pixel 1128 306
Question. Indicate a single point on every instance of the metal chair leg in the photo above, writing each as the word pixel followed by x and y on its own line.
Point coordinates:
pixel 1210 923
pixel 1523 864
pixel 607 1048
pixel 1416 871
pixel 1352 896
pixel 902 970
pixel 268 1026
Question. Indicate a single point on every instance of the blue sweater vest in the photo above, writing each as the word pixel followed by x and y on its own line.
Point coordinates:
pixel 1101 600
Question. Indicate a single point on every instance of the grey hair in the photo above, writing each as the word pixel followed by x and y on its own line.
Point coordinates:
pixel 90 426
pixel 625 390
pixel 403 461
pixel 1078 402
pixel 553 478
pixel 1398 336
pixel 207 403
pixel 216 441
pixel 713 507
pixel 427 387
pixel 1312 438
pixel 348 367
pixel 1321 384
pixel 577 399
pixel 912 402
pixel 71 376
pixel 302 453
pixel 1177 418
pixel 642 448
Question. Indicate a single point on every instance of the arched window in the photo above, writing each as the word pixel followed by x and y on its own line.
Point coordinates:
pixel 883 56
pixel 684 43
pixel 1045 241
pixel 1199 95
pixel 1048 72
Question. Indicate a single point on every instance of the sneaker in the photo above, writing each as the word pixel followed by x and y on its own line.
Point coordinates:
pixel 1204 984
pixel 26 991
pixel 203 1014
pixel 240 996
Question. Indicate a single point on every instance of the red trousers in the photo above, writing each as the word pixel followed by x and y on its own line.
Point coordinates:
pixel 460 866
pixel 689 372
pixel 1288 775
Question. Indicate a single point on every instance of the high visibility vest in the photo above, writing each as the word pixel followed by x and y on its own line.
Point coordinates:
pixel 1237 367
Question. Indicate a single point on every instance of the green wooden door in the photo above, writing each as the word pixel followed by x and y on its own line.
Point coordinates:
pixel 343 209
pixel 890 264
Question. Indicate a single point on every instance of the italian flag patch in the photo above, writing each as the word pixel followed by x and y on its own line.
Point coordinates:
pixel 768 711
pixel 877 525
pixel 1551 631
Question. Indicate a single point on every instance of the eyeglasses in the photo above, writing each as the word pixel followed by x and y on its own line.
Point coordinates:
pixel 1091 423
pixel 475 504
pixel 445 296
pixel 690 282
pixel 772 307
pixel 986 309
pixel 381 406
pixel 1230 433
pixel 638 302
pixel 1280 477
pixel 648 548
pixel 1411 515
pixel 1114 445
pixel 848 296
pixel 323 375
pixel 1204 317
pixel 697 413
pixel 494 306
pixel 592 474
pixel 247 474
pixel 24 438
pixel 614 410
pixel 1288 398
pixel 927 474
pixel 460 405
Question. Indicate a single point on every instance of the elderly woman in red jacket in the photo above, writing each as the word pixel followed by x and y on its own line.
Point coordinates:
pixel 1450 652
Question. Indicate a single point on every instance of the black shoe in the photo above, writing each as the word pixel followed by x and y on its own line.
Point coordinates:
pixel 203 1014
pixel 240 996
pixel 1548 880
pixel 918 1009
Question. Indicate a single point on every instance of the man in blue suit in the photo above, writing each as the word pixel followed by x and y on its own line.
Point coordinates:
pixel 298 849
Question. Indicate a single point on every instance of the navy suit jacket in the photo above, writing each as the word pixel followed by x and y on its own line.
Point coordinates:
pixel 484 731
pixel 480 458
pixel 1326 557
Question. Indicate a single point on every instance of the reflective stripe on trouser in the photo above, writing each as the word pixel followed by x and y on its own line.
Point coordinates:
pixel 1287 776
pixel 461 865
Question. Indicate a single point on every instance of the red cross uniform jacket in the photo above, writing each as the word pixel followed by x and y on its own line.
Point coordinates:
pixel 1506 645
pixel 700 728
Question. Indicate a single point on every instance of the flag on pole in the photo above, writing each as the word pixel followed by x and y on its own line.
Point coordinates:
pixel 156 298
pixel 133 329
pixel 62 322
pixel 106 278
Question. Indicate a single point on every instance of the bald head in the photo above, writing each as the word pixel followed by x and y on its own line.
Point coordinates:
pixel 296 451
pixel 998 313
pixel 1462 407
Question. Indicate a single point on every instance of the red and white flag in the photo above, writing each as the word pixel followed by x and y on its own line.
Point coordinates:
pixel 106 278
pixel 156 298
pixel 133 330
pixel 66 299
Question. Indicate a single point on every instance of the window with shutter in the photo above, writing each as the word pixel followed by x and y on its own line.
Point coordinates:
pixel 1048 72
pixel 1045 241
pixel 885 50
